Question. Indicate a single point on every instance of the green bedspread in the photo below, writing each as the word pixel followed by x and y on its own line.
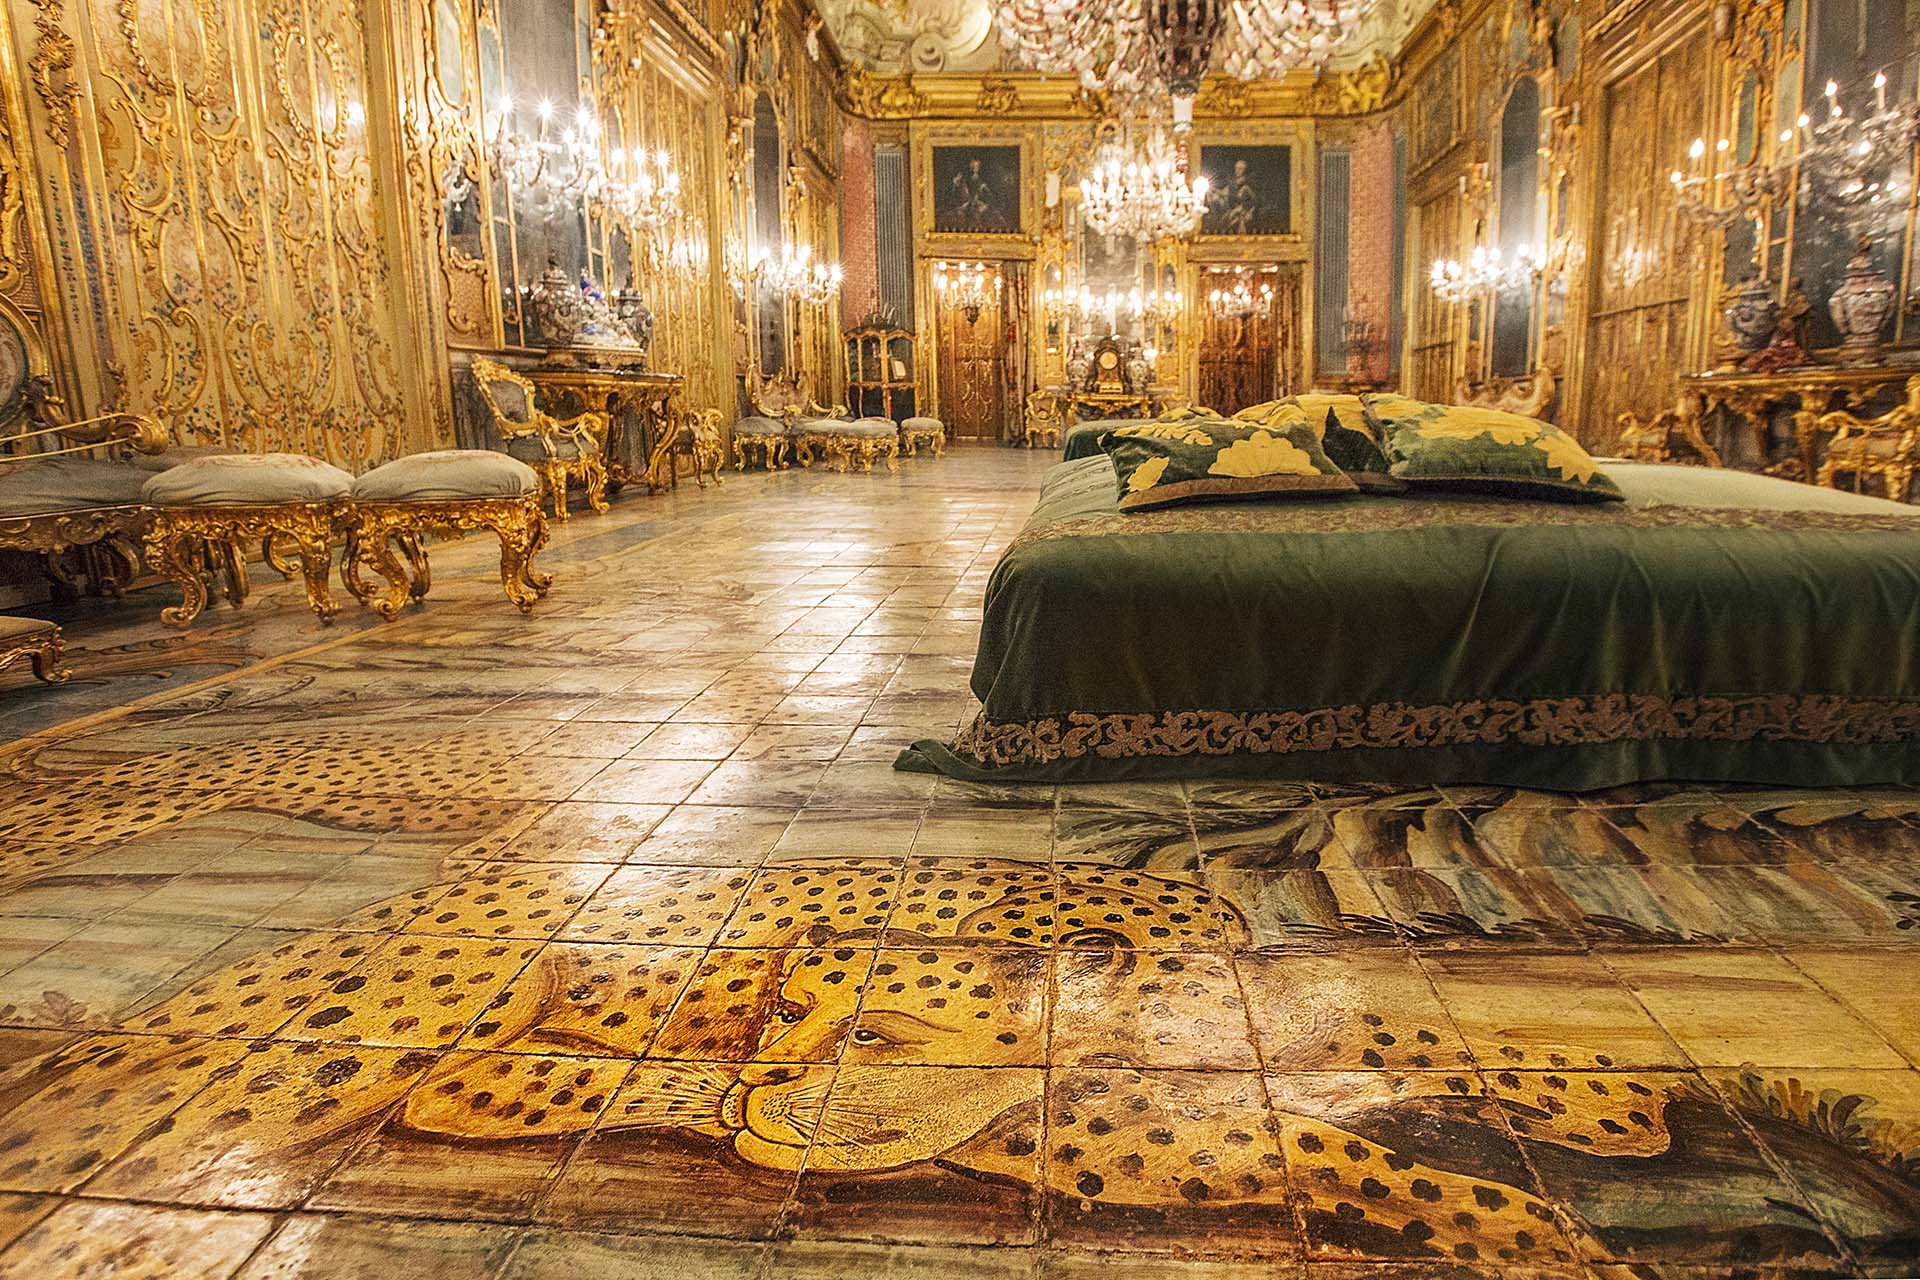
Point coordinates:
pixel 1716 626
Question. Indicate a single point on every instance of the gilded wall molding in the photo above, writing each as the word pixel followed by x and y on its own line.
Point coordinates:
pixel 51 67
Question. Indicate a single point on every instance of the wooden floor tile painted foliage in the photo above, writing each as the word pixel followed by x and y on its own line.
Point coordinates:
pixel 608 942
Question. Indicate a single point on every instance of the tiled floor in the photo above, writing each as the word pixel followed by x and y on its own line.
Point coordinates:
pixel 607 942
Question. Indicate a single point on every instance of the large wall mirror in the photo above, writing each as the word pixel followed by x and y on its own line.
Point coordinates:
pixel 769 235
pixel 1518 229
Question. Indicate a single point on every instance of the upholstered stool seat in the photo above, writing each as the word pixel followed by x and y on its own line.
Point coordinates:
pixel 445 491
pixel 447 475
pixel 917 431
pixel 842 441
pixel 69 484
pixel 224 500
pixel 35 639
pixel 772 438
pixel 246 479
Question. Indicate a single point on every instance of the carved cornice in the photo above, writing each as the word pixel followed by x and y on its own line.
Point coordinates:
pixel 1029 96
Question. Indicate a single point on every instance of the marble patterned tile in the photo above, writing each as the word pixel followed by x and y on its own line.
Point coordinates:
pixel 551 1254
pixel 664 906
pixel 89 1240
pixel 1547 1009
pixel 1128 1008
pixel 482 1137
pixel 309 1246
pixel 578 831
pixel 1353 1009
pixel 1856 976
pixel 714 836
pixel 1729 1007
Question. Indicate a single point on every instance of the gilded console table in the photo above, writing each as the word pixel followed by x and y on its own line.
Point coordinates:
pixel 639 409
pixel 1108 404
pixel 1813 389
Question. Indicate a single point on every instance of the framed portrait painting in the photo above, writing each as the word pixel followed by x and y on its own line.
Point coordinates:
pixel 976 190
pixel 1249 190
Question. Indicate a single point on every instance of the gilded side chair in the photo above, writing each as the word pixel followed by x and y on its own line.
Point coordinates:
pixel 694 434
pixel 1043 423
pixel 769 430
pixel 560 450
pixel 1886 448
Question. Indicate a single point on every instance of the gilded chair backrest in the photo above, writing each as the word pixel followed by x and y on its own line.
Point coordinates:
pixel 785 395
pixel 509 398
pixel 1043 406
pixel 1530 397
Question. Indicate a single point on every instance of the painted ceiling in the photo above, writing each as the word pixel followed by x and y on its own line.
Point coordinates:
pixel 898 36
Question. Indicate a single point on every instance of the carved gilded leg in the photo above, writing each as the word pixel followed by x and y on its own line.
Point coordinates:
pixel 514 568
pixel 376 549
pixel 415 551
pixel 554 480
pixel 940 443
pixel 890 450
pixel 352 553
pixel 316 561
pixel 172 556
pixel 593 478
pixel 49 660
pixel 279 561
pixel 233 570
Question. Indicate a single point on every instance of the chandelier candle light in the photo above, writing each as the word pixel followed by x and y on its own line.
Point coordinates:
pixel 796 274
pixel 1485 271
pixel 971 286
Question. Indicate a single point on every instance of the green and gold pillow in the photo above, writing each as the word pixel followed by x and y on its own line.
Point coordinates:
pixel 1438 446
pixel 1210 459
pixel 1344 434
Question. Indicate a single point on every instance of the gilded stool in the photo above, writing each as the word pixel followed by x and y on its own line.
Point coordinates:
pixel 442 492
pixel 771 438
pixel 931 432
pixel 35 639
pixel 232 499
pixel 841 442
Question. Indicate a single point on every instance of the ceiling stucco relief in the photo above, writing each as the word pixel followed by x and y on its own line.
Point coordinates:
pixel 896 36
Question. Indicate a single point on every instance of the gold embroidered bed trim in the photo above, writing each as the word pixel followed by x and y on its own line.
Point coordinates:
pixel 1539 722
pixel 1410 513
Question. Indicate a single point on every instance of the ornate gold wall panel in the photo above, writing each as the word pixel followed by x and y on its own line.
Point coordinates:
pixel 1645 270
pixel 219 191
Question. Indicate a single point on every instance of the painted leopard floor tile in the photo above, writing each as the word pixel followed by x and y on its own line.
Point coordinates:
pixel 417 992
pixel 512 900
pixel 664 906
pixel 592 999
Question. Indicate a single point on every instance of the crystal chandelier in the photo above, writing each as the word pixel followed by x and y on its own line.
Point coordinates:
pixel 796 274
pixel 1142 50
pixel 1143 192
pixel 550 169
pixel 971 286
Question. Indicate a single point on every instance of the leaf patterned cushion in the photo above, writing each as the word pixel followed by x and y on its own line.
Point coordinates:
pixel 447 475
pixel 247 479
pixel 1201 458
pixel 1437 446
pixel 1344 434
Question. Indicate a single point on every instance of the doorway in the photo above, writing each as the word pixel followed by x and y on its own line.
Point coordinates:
pixel 1249 342
pixel 970 331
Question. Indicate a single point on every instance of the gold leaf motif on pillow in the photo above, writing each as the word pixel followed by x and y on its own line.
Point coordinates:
pixel 1263 454
pixel 1146 475
pixel 1565 455
pixel 1166 431
pixel 1461 427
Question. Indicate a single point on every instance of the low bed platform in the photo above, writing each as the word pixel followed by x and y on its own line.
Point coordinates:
pixel 1716 626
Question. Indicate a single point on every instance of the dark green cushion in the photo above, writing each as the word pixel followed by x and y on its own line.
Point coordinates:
pixel 1196 457
pixel 1344 434
pixel 1467 447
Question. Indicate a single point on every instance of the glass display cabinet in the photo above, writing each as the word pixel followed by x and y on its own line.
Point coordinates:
pixel 880 372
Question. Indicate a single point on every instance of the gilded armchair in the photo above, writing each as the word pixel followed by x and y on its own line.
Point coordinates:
pixel 560 450
pixel 1042 425
pixel 1865 448
pixel 810 428
pixel 1668 436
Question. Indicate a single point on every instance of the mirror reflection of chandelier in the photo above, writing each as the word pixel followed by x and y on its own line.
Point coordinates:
pixel 555 168
pixel 1486 270
pixel 796 274
pixel 1083 305
pixel 970 286
pixel 1146 50
pixel 1240 295
pixel 1142 190
pixel 644 190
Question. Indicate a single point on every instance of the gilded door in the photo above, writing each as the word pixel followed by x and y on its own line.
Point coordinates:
pixel 973 372
pixel 1245 360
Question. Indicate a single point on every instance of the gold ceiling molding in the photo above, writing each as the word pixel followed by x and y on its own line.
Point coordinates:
pixel 1370 87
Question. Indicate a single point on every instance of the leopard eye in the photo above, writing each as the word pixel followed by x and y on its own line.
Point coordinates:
pixel 789 1015
pixel 867 1036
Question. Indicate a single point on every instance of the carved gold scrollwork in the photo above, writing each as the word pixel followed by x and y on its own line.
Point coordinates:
pixel 51 67
pixel 878 97
pixel 373 528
